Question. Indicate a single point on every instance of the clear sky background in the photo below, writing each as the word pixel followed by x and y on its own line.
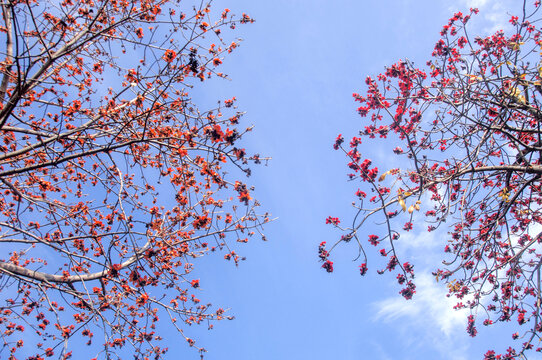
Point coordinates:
pixel 294 75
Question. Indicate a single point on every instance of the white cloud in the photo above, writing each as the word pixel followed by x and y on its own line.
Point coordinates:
pixel 422 240
pixel 493 16
pixel 428 319
pixel 431 301
pixel 475 3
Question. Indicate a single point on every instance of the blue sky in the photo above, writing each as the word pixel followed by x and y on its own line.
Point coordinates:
pixel 294 75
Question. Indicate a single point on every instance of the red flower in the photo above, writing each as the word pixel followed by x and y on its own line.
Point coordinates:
pixel 363 269
pixel 169 56
pixel 521 318
pixel 322 253
pixel 471 329
pixel 409 291
pixel 361 194
pixel 489 355
pixel 409 268
pixel 328 265
pixel 142 300
pixel 373 239
pixel 338 141
pixel 229 103
pixel 244 197
pixel 114 270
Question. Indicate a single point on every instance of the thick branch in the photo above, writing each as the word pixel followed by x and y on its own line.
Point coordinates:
pixel 9 269
pixel 529 169
pixel 9 50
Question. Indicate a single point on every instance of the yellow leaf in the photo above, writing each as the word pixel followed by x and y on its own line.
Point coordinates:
pixel 383 176
pixel 516 94
pixel 474 78
pixel 402 203
pixel 514 91
pixel 506 62
pixel 504 194
pixel 515 45
pixel 411 209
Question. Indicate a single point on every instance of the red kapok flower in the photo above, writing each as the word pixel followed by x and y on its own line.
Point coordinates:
pixel 363 269
pixel 169 56
pixel 328 265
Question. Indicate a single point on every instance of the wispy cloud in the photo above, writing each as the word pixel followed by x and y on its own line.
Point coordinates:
pixel 475 3
pixel 431 301
pixel 493 16
pixel 428 319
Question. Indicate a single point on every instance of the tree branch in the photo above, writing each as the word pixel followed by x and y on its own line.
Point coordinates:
pixel 9 50
pixel 45 277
